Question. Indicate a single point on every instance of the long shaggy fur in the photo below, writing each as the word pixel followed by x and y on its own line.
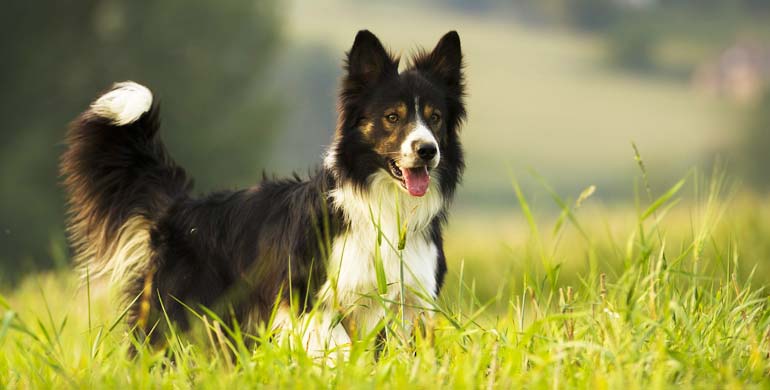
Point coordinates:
pixel 119 178
pixel 132 218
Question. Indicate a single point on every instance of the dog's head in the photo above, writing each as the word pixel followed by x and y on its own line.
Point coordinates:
pixel 404 123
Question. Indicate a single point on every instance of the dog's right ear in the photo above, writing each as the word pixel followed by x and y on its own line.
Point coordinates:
pixel 368 61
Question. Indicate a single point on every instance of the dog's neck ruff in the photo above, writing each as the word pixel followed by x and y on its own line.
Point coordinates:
pixel 382 202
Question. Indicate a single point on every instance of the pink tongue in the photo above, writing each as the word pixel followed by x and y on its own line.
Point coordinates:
pixel 417 180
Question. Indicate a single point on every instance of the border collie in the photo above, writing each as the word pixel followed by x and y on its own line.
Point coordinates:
pixel 313 249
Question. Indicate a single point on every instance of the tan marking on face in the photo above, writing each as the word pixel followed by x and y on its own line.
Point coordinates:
pixel 367 129
pixel 399 109
pixel 386 143
pixel 427 111
pixel 389 143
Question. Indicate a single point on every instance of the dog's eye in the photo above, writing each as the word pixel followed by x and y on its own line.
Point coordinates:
pixel 435 118
pixel 392 118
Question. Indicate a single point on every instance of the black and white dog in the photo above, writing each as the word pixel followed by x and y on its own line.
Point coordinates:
pixel 380 199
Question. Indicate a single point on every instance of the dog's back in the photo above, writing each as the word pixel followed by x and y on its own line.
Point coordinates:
pixel 132 221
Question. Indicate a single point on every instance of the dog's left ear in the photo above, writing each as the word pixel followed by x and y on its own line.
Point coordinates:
pixel 368 61
pixel 445 61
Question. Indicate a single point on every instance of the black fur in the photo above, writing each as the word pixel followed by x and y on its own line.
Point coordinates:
pixel 235 252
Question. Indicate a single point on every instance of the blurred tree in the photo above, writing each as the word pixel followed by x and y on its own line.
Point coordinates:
pixel 592 15
pixel 630 45
pixel 757 5
pixel 637 31
pixel 305 75
pixel 204 60
pixel 756 144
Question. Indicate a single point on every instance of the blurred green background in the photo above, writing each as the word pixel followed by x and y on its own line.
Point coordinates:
pixel 560 87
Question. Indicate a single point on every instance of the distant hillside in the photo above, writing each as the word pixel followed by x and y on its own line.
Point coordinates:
pixel 537 98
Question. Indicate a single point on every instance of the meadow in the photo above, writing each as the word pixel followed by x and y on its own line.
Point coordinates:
pixel 549 286
pixel 667 293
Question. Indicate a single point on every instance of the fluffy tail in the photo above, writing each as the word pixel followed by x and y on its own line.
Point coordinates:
pixel 119 179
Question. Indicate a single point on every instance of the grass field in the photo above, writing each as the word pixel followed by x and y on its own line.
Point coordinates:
pixel 553 290
pixel 663 294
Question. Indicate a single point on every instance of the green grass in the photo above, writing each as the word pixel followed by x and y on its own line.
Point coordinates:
pixel 656 295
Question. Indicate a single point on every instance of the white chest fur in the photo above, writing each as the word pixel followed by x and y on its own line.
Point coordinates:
pixel 384 210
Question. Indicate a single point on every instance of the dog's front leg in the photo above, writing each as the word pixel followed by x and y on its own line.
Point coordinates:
pixel 323 336
pixel 318 333
pixel 417 318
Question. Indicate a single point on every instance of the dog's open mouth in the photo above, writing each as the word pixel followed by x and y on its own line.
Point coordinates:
pixel 415 180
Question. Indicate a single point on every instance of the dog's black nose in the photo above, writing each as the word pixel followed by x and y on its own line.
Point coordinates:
pixel 426 151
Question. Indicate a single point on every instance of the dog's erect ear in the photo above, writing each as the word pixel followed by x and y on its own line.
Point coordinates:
pixel 445 61
pixel 368 61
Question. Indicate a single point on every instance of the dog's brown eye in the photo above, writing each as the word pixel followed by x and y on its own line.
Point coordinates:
pixel 392 118
pixel 435 118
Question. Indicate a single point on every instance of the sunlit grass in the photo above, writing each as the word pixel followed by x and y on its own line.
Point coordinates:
pixel 656 295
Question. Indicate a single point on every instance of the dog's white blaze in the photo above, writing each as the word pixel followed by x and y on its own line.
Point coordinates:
pixel 352 276
pixel 124 104
pixel 421 133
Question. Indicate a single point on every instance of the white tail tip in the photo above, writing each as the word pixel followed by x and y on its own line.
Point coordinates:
pixel 124 104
